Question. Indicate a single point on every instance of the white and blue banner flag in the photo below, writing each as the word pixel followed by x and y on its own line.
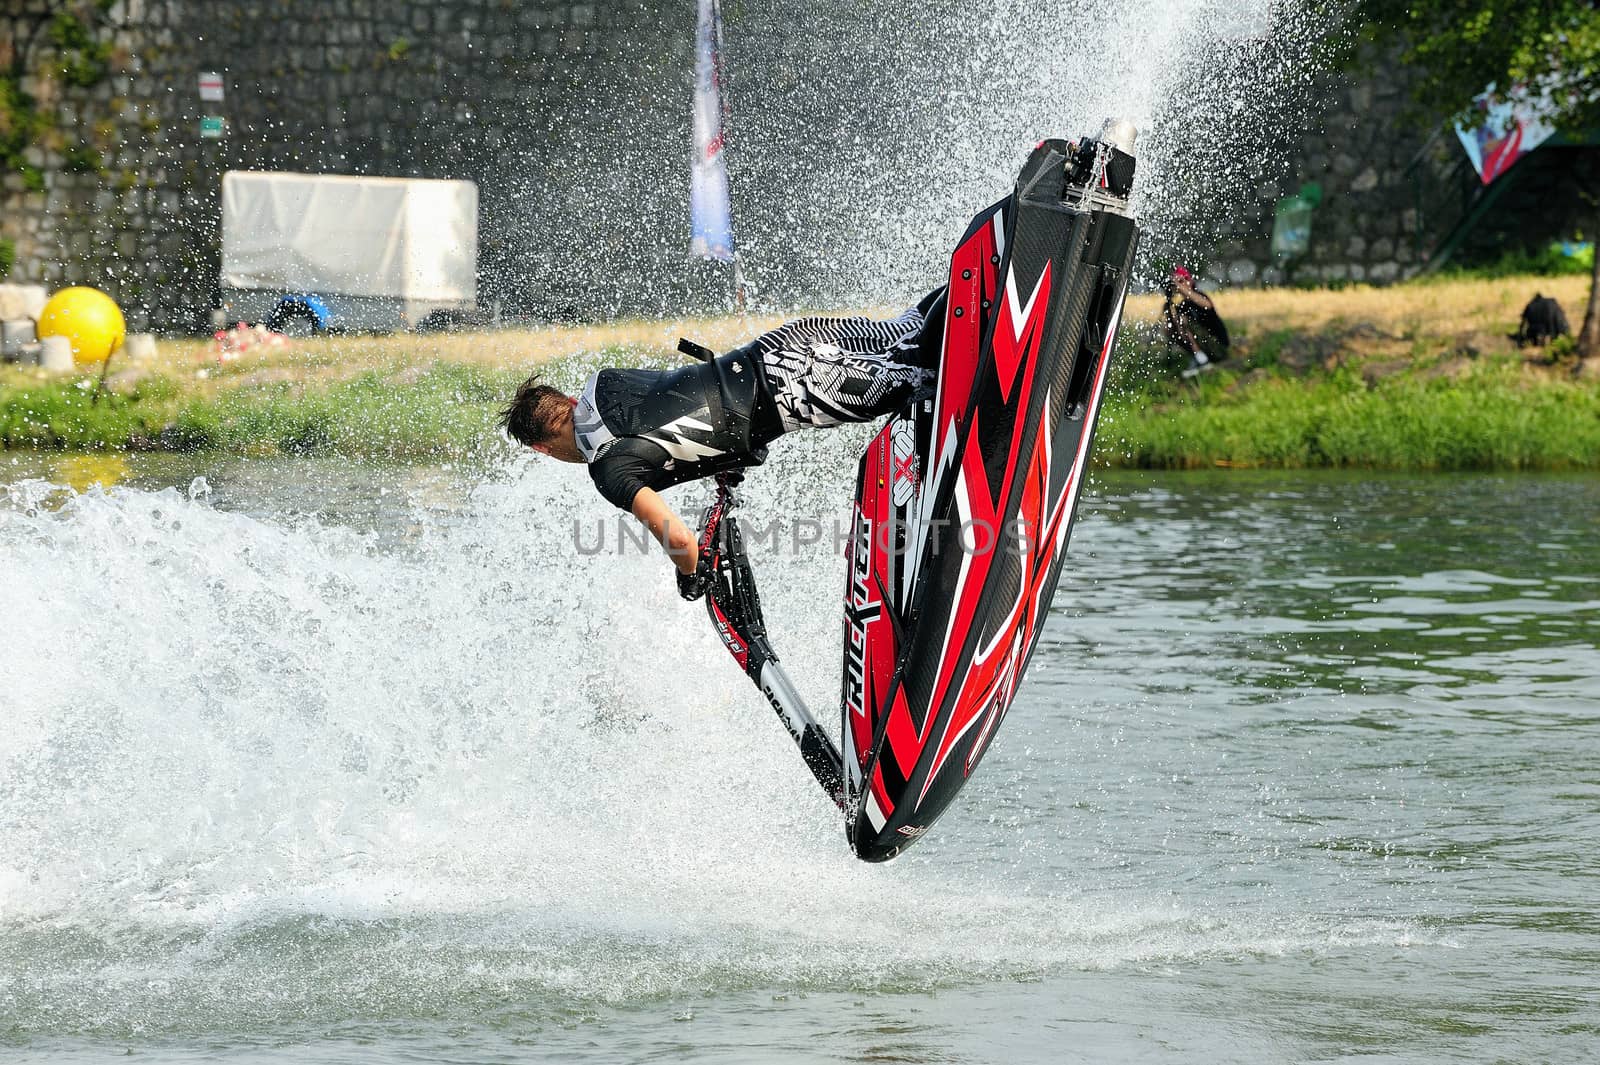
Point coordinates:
pixel 710 214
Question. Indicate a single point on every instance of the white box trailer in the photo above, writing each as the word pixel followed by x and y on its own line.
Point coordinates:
pixel 312 252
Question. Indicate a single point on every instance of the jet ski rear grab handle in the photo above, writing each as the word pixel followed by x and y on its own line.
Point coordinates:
pixel 735 611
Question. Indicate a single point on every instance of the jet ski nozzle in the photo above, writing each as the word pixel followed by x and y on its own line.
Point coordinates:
pixel 1121 133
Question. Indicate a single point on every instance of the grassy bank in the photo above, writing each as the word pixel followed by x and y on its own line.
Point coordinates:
pixel 443 411
pixel 1411 377
pixel 401 397
pixel 1492 416
pixel 1421 377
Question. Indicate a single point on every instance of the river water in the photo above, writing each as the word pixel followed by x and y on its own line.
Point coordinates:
pixel 307 760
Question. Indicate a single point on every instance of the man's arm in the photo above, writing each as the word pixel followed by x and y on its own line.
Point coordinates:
pixel 1193 294
pixel 669 530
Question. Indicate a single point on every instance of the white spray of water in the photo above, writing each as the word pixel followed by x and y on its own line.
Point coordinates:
pixel 256 765
pixel 865 134
pixel 931 112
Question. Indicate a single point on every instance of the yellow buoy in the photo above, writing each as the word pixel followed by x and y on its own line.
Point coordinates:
pixel 88 318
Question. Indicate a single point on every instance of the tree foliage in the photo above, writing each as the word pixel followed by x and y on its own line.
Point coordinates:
pixel 1461 47
pixel 1551 48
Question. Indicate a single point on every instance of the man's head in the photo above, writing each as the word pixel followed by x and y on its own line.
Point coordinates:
pixel 540 417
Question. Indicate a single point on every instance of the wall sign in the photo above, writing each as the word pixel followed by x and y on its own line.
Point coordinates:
pixel 1291 223
pixel 211 86
pixel 212 127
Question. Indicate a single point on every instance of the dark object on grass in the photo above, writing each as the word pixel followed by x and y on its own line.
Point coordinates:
pixel 446 320
pixel 296 319
pixel 452 321
pixel 1542 321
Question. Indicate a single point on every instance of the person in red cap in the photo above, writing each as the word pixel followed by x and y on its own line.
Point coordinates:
pixel 1193 324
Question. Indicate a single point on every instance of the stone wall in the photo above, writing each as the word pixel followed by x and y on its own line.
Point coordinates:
pixel 504 93
pixel 1370 164
pixel 573 118
pixel 1394 191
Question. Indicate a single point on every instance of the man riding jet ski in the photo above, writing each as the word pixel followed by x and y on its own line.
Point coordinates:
pixel 964 501
pixel 641 431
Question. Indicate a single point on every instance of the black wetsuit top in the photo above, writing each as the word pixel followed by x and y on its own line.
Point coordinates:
pixel 657 428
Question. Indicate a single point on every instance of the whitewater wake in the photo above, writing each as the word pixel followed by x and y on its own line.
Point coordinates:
pixel 259 765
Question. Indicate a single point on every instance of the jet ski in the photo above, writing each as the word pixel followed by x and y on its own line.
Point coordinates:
pixel 964 503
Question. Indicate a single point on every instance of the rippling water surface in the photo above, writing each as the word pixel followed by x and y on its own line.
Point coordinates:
pixel 374 762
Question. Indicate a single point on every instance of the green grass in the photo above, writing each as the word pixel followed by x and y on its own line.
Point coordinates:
pixel 1391 401
pixel 435 410
pixel 62 414
pixel 448 411
pixel 1494 416
pixel 1548 261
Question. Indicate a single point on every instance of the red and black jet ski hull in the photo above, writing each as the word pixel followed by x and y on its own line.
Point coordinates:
pixel 964 507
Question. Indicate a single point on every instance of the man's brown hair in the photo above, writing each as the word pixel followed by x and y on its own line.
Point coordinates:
pixel 530 416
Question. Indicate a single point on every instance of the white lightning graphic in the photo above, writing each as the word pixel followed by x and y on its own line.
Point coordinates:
pixel 681 447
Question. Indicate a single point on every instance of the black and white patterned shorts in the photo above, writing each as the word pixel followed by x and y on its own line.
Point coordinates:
pixel 828 371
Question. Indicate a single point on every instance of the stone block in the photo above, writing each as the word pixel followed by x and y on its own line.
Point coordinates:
pixel 1383 248
pixel 1365 181
pixel 139 347
pixel 55 355
pixel 22 301
pixel 14 336
pixel 1383 273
